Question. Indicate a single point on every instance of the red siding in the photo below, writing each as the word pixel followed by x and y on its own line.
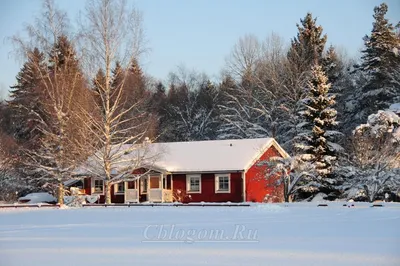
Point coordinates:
pixel 208 189
pixel 114 198
pixel 86 186
pixel 257 187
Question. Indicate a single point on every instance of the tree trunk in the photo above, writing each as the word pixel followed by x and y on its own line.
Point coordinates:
pixel 286 185
pixel 60 193
pixel 286 197
pixel 107 193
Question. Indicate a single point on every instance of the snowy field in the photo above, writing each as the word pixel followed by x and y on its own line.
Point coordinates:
pixel 300 234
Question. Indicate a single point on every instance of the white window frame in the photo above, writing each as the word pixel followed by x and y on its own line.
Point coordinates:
pixel 159 176
pixel 116 188
pixel 93 186
pixel 217 177
pixel 188 178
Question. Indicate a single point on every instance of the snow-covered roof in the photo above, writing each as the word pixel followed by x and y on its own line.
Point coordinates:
pixel 199 156
pixel 212 155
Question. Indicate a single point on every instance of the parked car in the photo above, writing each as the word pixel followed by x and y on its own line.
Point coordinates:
pixel 41 197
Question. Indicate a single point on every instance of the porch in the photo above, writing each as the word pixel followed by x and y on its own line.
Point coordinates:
pixel 149 188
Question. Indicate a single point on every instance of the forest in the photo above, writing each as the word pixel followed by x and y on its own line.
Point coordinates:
pixel 82 91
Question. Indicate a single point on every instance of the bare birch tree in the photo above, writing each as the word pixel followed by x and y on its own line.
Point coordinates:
pixel 244 57
pixel 113 32
pixel 268 93
pixel 264 100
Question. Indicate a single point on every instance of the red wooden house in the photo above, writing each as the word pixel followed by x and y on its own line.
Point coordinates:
pixel 201 171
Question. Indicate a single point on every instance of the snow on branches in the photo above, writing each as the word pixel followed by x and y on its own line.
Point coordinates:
pixel 316 140
pixel 290 172
pixel 375 160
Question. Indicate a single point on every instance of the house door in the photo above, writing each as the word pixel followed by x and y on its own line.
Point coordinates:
pixel 143 187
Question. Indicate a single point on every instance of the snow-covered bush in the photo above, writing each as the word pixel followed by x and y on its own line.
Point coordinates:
pixel 75 200
pixel 374 165
pixel 291 173
pixel 181 196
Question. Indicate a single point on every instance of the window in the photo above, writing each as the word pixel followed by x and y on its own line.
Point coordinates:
pixel 154 182
pixel 131 184
pixel 193 184
pixel 98 186
pixel 222 184
pixel 119 188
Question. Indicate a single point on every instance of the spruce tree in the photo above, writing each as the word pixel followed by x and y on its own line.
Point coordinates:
pixel 136 81
pixel 333 68
pixel 380 64
pixel 316 142
pixel 117 83
pixel 98 83
pixel 158 107
pixel 25 102
pixel 207 111
pixel 230 122
pixel 307 48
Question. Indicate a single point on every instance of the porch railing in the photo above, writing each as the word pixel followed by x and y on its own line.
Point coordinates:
pixel 131 195
pixel 167 195
pixel 153 195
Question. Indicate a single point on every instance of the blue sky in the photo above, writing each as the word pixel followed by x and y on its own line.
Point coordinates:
pixel 200 33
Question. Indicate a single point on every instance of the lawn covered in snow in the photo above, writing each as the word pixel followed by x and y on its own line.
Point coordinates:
pixel 300 234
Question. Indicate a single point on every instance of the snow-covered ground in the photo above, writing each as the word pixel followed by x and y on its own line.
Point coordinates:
pixel 300 234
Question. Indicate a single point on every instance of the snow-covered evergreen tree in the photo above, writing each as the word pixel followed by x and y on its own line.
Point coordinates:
pixel 306 50
pixel 26 98
pixel 191 109
pixel 308 46
pixel 316 142
pixel 336 68
pixel 333 68
pixel 380 64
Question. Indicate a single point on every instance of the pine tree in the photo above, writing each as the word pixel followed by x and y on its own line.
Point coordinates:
pixel 63 56
pixel 26 103
pixel 158 107
pixel 305 51
pixel 307 48
pixel 137 82
pixel 333 68
pixel 317 138
pixel 98 82
pixel 341 86
pixel 191 109
pixel 159 99
pixel 118 84
pixel 380 64
pixel 208 112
